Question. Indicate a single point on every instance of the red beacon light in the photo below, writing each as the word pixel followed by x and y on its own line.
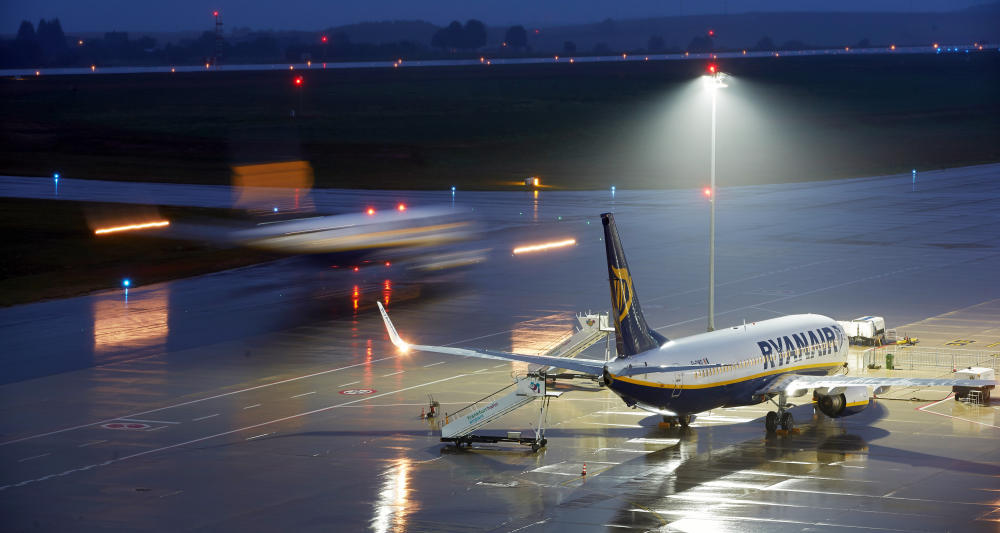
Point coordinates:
pixel 370 211
pixel 298 81
pixel 713 68
pixel 215 13
pixel 711 33
pixel 707 191
pixel 401 207
pixel 322 39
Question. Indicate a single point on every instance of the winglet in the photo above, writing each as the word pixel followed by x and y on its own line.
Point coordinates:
pixel 393 336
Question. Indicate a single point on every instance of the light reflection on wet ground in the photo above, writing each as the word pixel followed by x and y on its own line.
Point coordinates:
pixel 256 420
pixel 139 323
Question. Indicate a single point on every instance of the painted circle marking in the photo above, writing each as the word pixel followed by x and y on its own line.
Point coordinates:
pixel 357 392
pixel 125 425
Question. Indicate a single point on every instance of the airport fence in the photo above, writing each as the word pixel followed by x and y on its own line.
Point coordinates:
pixel 928 358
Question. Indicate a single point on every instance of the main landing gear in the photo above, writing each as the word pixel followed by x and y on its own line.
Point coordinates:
pixel 782 417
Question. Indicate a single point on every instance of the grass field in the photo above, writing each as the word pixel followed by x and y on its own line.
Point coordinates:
pixel 481 128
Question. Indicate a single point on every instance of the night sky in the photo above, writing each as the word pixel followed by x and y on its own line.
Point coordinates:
pixel 180 15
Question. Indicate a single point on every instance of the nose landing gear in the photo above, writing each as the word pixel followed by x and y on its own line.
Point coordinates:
pixel 782 417
pixel 670 422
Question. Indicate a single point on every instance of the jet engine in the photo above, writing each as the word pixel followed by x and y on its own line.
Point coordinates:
pixel 841 401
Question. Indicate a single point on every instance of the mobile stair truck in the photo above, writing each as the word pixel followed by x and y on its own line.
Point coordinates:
pixel 460 426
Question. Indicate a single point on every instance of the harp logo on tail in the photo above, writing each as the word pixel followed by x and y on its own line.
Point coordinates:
pixel 622 287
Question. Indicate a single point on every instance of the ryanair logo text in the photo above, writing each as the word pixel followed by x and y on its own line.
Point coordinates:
pixel 786 349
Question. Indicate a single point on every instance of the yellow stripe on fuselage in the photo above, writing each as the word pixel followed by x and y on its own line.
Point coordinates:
pixel 640 382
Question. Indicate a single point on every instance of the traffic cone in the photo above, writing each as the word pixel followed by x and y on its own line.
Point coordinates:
pixel 584 470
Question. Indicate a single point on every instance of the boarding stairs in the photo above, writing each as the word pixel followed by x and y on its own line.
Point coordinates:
pixel 523 391
pixel 460 426
pixel 592 328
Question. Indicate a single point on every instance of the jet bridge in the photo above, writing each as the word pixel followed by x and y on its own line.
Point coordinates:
pixel 460 426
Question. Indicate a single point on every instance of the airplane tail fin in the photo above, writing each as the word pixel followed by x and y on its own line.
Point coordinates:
pixel 632 334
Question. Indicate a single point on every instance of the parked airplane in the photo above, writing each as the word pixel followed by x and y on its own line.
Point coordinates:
pixel 770 360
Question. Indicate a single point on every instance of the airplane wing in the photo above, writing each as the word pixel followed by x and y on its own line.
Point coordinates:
pixel 795 382
pixel 587 366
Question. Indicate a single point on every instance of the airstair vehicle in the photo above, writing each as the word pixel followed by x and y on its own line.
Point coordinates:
pixel 460 427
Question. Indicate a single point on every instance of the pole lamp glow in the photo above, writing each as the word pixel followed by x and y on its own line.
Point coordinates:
pixel 714 81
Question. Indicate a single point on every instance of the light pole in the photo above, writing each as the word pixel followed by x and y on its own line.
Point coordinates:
pixel 714 82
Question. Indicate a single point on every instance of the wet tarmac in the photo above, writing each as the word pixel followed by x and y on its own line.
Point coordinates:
pixel 262 399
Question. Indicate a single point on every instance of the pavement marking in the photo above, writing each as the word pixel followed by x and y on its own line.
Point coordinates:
pixel 174 493
pixel 147 421
pixel 614 425
pixel 204 417
pixel 289 380
pixel 258 436
pixel 251 406
pixel 924 410
pixel 392 374
pixel 157 428
pixel 480 370
pixel 624 450
pixel 303 394
pixel 663 442
pixel 34 457
pixel 230 432
pixel 435 364
pixel 91 443
pixel 351 383
pixel 500 365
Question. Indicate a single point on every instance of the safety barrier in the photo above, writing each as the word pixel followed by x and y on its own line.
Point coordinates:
pixel 928 358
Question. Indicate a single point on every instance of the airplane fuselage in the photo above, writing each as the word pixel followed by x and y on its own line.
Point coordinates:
pixel 748 356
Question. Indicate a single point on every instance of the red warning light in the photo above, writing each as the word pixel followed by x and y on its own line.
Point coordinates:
pixel 370 211
pixel 323 39
pixel 357 269
pixel 298 81
pixel 401 207
pixel 215 13
pixel 711 33
pixel 713 68
pixel 707 191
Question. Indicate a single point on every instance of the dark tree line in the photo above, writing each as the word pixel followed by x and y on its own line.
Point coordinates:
pixel 456 37
pixel 45 46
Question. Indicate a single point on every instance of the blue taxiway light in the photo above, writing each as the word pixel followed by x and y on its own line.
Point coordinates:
pixel 56 176
pixel 126 282
pixel 275 209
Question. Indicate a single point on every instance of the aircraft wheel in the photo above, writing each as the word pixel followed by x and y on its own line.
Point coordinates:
pixel 685 420
pixel 986 395
pixel 787 422
pixel 771 422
